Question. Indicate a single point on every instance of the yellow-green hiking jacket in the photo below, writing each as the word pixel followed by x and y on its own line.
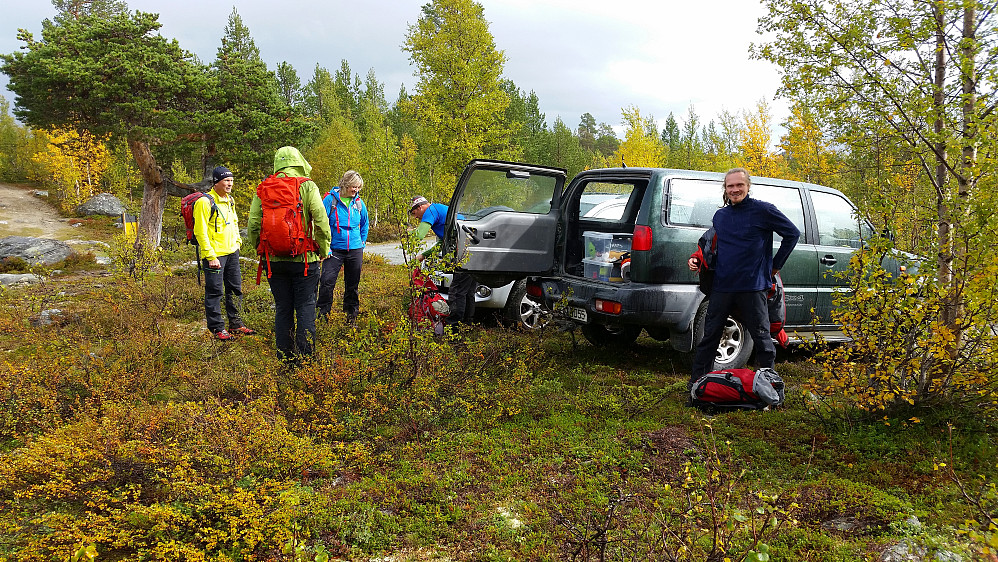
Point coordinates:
pixel 217 235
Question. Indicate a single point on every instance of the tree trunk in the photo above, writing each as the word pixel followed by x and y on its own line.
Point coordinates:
pixel 153 194
pixel 968 133
pixel 208 162
pixel 944 233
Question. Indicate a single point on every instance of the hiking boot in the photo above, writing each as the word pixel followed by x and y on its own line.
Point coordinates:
pixel 223 335
pixel 243 330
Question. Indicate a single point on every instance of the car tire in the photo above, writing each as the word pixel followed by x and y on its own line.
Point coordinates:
pixel 605 336
pixel 736 345
pixel 522 310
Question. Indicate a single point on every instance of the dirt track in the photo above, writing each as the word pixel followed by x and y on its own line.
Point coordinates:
pixel 23 214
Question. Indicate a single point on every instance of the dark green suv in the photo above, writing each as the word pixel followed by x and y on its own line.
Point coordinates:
pixel 613 246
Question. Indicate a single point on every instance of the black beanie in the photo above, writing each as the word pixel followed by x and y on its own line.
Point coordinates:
pixel 219 174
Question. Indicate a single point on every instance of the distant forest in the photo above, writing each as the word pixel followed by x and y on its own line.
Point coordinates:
pixel 862 117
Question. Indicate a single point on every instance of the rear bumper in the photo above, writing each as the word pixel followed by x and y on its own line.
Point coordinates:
pixel 669 307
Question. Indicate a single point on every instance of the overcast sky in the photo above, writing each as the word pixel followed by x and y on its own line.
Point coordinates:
pixel 579 56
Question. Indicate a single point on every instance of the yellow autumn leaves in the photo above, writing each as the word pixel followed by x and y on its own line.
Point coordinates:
pixel 71 164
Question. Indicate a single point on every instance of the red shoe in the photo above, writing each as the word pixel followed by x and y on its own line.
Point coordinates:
pixel 244 331
pixel 223 335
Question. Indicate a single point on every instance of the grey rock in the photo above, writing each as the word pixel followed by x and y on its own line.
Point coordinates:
pixel 844 524
pixel 47 317
pixel 54 317
pixel 40 193
pixel 903 552
pixel 8 279
pixel 100 243
pixel 102 204
pixel 35 251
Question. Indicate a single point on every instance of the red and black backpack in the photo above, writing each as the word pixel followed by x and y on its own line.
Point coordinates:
pixel 737 389
pixel 428 307
pixel 187 211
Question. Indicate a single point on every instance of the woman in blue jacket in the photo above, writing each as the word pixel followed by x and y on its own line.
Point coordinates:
pixel 348 223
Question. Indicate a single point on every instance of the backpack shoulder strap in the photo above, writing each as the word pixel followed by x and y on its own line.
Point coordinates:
pixel 213 214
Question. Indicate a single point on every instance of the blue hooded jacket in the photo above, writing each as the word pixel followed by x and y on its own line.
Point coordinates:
pixel 348 222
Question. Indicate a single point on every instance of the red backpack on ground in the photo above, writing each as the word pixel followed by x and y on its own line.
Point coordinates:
pixel 737 389
pixel 187 211
pixel 282 229
pixel 428 308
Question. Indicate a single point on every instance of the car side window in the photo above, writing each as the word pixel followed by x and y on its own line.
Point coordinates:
pixel 489 191
pixel 839 224
pixel 787 200
pixel 693 202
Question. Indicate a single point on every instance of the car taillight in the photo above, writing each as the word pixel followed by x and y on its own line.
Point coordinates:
pixel 642 238
pixel 609 307
pixel 535 291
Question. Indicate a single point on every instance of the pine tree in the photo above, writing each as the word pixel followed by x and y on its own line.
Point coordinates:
pixel 249 118
pixel 289 85
pixel 319 97
pixel 587 131
pixel 76 9
pixel 112 75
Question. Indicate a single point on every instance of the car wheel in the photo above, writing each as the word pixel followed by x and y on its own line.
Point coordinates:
pixel 735 347
pixel 605 336
pixel 523 310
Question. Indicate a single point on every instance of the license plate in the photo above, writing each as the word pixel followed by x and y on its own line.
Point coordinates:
pixel 579 314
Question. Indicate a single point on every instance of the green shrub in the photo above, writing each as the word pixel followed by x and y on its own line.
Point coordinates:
pixel 900 353
pixel 14 264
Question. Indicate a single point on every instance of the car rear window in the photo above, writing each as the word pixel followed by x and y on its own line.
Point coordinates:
pixel 604 201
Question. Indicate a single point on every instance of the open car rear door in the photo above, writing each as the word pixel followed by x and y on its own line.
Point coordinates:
pixel 504 217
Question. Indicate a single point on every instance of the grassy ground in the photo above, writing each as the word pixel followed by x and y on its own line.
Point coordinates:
pixel 123 425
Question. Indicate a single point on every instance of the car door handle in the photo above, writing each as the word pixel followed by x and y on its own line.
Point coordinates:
pixel 828 260
pixel 471 233
pixel 489 235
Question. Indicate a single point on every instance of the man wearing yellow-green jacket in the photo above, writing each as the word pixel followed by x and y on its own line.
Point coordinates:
pixel 216 228
pixel 294 281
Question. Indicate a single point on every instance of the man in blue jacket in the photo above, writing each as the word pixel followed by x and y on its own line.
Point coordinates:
pixel 461 292
pixel 744 270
